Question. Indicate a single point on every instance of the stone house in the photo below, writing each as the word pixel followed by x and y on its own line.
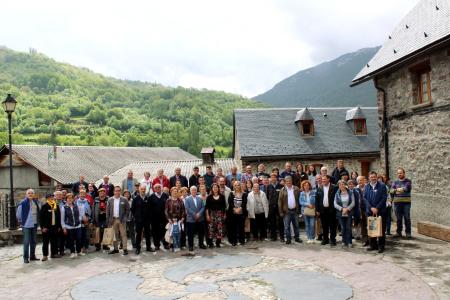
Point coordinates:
pixel 411 72
pixel 312 136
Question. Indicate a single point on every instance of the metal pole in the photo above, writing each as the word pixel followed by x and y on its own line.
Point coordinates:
pixel 12 208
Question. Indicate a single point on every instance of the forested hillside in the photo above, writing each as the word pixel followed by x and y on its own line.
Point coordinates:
pixel 66 105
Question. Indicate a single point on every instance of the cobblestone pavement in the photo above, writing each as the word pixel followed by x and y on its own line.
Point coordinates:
pixel 409 269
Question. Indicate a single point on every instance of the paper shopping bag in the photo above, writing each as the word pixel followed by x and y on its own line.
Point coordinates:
pixel 108 236
pixel 374 228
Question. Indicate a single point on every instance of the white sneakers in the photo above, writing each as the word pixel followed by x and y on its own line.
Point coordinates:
pixel 73 255
pixel 310 242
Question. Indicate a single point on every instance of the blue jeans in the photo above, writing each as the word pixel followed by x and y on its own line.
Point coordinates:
pixel 291 217
pixel 310 223
pixel 402 211
pixel 346 227
pixel 74 240
pixel 176 235
pixel 29 242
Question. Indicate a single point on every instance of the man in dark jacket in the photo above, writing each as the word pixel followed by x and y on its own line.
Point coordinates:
pixel 140 208
pixel 99 215
pixel 275 221
pixel 326 211
pixel 338 172
pixel 193 180
pixel 178 177
pixel 209 177
pixel 50 221
pixel 157 216
pixel 375 196
pixel 79 185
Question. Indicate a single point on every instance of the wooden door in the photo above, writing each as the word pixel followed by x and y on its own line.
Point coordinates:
pixel 365 165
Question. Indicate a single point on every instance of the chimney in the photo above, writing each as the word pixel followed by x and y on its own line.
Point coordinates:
pixel 208 155
pixel 54 152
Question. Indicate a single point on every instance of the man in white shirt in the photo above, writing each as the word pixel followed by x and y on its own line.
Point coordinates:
pixel 117 212
pixel 326 211
pixel 289 209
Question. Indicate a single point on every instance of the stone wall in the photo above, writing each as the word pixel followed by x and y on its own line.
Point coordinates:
pixel 419 136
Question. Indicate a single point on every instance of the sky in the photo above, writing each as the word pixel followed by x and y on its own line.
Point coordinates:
pixel 238 46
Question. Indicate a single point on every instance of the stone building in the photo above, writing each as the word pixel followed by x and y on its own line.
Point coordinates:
pixel 312 136
pixel 412 75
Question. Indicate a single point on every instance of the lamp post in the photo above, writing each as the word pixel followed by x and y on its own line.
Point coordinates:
pixel 9 105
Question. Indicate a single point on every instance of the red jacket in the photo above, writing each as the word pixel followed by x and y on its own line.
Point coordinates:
pixel 165 182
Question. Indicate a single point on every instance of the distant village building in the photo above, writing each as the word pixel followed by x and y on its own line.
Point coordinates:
pixel 312 136
pixel 412 75
pixel 42 167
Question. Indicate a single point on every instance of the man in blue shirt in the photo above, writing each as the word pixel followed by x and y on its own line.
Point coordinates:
pixel 28 217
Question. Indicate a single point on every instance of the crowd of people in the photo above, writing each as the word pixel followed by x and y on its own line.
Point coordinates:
pixel 169 212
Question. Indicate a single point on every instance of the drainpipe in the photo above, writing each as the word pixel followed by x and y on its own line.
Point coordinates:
pixel 385 128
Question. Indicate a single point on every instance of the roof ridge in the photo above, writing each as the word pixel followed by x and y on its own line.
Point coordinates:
pixel 309 108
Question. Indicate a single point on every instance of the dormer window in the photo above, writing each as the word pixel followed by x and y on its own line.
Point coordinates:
pixel 307 127
pixel 305 122
pixel 359 121
pixel 360 126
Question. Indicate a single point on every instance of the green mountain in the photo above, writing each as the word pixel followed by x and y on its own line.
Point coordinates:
pixel 65 105
pixel 325 85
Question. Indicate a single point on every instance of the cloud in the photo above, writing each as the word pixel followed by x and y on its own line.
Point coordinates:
pixel 238 46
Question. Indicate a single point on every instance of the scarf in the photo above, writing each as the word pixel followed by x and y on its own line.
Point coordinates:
pixel 52 203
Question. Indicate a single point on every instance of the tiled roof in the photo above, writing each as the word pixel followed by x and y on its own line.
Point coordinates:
pixel 169 168
pixel 207 150
pixel 91 161
pixel 272 132
pixel 427 24
pixel 355 113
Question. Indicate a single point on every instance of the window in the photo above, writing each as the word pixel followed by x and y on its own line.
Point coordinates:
pixel 44 180
pixel 421 82
pixel 424 87
pixel 360 127
pixel 307 128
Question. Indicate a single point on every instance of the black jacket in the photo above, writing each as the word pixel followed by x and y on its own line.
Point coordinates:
pixel 158 206
pixel 298 178
pixel 76 187
pixel 337 174
pixel 140 208
pixel 272 195
pixel 231 204
pixel 45 216
pixel 183 180
pixel 193 180
pixel 110 189
pixel 319 199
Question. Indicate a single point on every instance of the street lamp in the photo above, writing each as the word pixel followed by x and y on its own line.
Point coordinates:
pixel 9 106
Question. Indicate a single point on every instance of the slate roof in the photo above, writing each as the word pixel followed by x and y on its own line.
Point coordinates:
pixel 303 115
pixel 91 161
pixel 355 113
pixel 272 132
pixel 428 24
pixel 169 168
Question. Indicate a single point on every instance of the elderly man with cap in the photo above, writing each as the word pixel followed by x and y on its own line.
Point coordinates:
pixel 50 222
pixel 99 215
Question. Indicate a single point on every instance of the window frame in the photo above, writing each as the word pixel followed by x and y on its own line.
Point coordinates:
pixel 420 83
pixel 311 127
pixel 363 130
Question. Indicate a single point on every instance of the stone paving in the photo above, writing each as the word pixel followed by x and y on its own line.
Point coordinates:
pixel 409 269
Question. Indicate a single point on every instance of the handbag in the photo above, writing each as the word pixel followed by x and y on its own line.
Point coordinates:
pixel 309 212
pixel 94 234
pixel 374 227
pixel 108 236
